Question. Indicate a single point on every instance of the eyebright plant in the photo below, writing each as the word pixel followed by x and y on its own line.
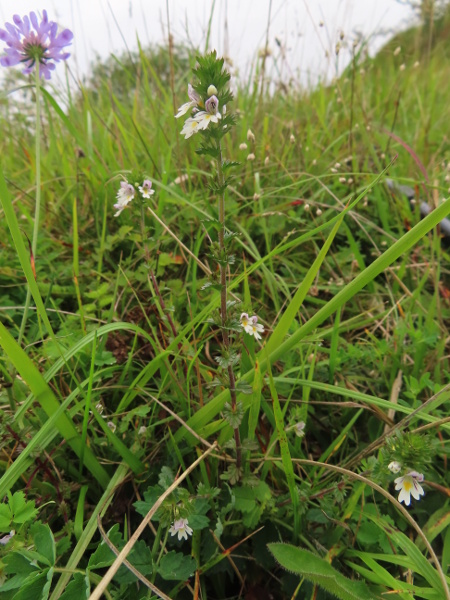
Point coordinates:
pixel 210 118
pixel 128 191
pixel 34 44
pixel 407 454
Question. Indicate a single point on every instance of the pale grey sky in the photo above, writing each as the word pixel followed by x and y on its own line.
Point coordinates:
pixel 105 26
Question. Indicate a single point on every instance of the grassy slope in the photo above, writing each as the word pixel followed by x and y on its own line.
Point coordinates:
pixel 398 322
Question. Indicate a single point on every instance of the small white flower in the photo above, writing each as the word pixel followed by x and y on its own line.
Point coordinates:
pixel 5 539
pixel 195 100
pixel 409 485
pixel 212 90
pixel 184 108
pixel 395 466
pixel 243 146
pixel 211 113
pixel 245 322
pixel 181 179
pixel 124 196
pixel 299 428
pixel 146 188
pixel 111 426
pixel 189 128
pixel 142 430
pixel 99 407
pixel 181 528
pixel 212 105
pixel 204 118
pixel 255 328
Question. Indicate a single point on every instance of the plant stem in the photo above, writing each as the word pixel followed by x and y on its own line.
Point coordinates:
pixel 37 209
pixel 223 301
pixel 162 304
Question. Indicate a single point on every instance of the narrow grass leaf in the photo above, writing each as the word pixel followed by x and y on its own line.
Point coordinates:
pixel 285 455
pixel 48 401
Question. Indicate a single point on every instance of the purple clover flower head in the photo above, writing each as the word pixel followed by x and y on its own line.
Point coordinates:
pixel 212 105
pixel 30 42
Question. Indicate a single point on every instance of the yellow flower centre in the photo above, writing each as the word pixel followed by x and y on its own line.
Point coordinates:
pixel 407 484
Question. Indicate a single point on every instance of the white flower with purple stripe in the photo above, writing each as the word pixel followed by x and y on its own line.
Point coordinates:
pixel 409 485
pixel 125 195
pixel 211 113
pixel 195 100
pixel 181 528
pixel 146 189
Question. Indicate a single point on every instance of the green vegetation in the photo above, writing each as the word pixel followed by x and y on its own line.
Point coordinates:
pixel 116 419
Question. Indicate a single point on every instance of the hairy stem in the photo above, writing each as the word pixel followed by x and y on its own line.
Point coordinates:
pixel 223 301
pixel 37 209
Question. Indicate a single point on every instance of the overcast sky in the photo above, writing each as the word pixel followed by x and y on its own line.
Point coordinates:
pixel 238 27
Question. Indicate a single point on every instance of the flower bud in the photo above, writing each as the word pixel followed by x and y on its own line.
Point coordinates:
pixel 212 90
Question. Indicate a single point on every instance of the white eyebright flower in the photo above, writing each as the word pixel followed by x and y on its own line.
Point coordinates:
pixel 195 100
pixel 299 428
pixel 251 325
pixel 395 466
pixel 256 327
pixel 409 485
pixel 5 539
pixel 245 322
pixel 181 528
pixel 204 118
pixel 124 196
pixel 211 113
pixel 190 127
pixel 146 188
